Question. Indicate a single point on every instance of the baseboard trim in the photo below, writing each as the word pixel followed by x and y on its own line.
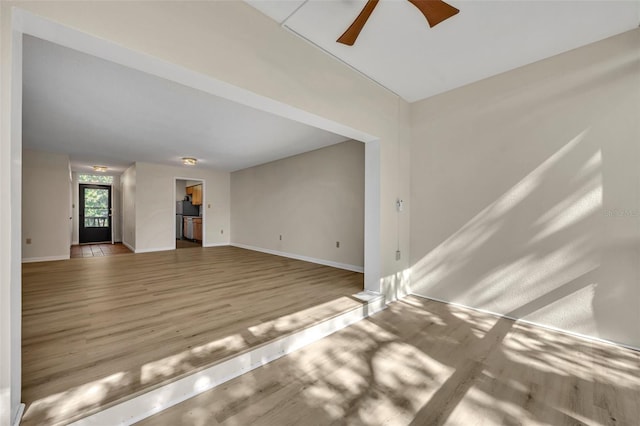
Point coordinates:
pixel 153 402
pixel 19 413
pixel 149 250
pixel 331 263
pixel 215 245
pixel 129 246
pixel 45 258
pixel 537 324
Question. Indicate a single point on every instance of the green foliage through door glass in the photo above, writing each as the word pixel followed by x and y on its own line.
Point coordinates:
pixel 96 207
pixel 86 178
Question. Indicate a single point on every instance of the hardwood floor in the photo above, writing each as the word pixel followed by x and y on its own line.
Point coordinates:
pixel 427 363
pixel 96 250
pixel 180 244
pixel 97 330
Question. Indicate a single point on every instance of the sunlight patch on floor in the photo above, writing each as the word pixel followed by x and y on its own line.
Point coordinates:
pixel 64 404
pixel 168 366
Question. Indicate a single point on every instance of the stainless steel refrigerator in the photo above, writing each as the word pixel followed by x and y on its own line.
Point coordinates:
pixel 184 208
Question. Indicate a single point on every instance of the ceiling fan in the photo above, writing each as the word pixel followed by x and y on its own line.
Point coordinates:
pixel 435 11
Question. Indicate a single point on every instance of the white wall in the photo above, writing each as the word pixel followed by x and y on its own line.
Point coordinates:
pixel 128 191
pixel 155 205
pixel 526 192
pixel 45 206
pixel 312 200
pixel 181 190
pixel 10 220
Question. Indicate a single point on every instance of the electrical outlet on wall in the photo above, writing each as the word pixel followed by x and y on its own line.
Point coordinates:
pixel 280 237
pixel 28 241
pixel 337 244
pixel 398 255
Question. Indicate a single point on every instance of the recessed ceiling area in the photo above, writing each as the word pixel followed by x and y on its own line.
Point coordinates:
pixel 99 112
pixel 397 48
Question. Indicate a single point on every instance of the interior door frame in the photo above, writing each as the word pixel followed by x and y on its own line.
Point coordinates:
pixel 203 208
pixel 25 22
pixel 116 207
pixel 81 212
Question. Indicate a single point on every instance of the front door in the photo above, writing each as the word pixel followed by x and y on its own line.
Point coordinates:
pixel 95 213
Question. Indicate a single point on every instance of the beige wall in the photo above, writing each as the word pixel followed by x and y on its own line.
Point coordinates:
pixel 526 192
pixel 312 200
pixel 128 191
pixel 45 206
pixel 155 205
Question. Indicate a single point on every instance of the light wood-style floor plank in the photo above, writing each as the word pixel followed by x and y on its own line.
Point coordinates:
pixel 100 329
pixel 422 362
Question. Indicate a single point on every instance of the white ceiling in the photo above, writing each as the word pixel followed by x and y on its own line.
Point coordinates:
pixel 100 112
pixel 397 48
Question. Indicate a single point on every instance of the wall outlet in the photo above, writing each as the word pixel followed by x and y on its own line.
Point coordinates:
pixel 208 206
pixel 28 240
pixel 337 244
pixel 280 237
pixel 398 255
pixel 222 231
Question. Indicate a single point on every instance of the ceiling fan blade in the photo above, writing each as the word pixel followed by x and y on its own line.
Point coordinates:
pixel 349 37
pixel 435 11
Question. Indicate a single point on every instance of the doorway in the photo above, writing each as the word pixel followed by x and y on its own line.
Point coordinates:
pixel 27 23
pixel 94 214
pixel 189 196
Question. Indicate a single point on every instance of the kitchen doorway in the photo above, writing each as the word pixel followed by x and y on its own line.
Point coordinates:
pixel 189 197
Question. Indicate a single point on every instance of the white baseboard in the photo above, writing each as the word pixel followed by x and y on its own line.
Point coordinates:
pixel 18 418
pixel 45 258
pixel 376 302
pixel 537 324
pixel 149 250
pixel 129 246
pixel 152 402
pixel 331 263
pixel 215 245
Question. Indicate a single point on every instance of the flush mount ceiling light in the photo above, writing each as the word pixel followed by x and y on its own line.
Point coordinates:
pixel 189 161
pixel 100 169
